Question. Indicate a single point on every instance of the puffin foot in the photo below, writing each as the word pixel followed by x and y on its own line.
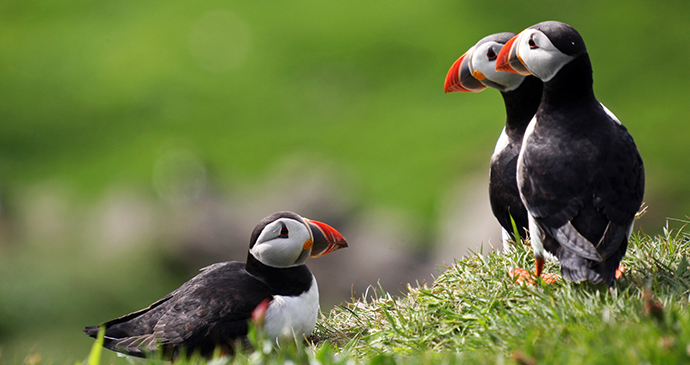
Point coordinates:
pixel 619 271
pixel 259 313
pixel 523 276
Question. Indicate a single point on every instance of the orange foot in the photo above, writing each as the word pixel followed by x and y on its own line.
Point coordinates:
pixel 523 276
pixel 619 271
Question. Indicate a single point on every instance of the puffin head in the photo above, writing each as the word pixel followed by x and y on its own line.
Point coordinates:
pixel 286 239
pixel 476 69
pixel 541 50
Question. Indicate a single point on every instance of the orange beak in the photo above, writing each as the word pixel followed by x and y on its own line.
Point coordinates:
pixel 460 77
pixel 508 59
pixel 325 238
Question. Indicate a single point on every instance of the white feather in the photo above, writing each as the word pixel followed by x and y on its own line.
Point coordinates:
pixel 535 235
pixel 287 315
pixel 506 238
pixel 501 143
pixel 520 163
pixel 610 113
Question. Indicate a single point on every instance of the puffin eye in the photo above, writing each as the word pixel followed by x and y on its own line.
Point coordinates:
pixel 532 44
pixel 283 231
pixel 490 54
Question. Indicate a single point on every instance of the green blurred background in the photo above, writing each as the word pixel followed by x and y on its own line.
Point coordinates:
pixel 133 131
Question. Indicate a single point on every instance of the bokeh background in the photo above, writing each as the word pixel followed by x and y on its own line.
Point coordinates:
pixel 142 140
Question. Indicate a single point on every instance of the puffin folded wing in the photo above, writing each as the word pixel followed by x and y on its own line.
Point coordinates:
pixel 577 268
pixel 138 346
pixel 568 236
pixel 615 236
pixel 211 310
pixel 132 333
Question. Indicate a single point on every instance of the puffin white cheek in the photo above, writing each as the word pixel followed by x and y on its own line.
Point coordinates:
pixel 509 81
pixel 528 57
pixel 550 63
pixel 545 61
pixel 276 254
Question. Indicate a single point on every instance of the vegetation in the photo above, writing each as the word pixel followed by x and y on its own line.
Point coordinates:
pixel 475 309
pixel 95 93
pixel 97 96
pixel 475 312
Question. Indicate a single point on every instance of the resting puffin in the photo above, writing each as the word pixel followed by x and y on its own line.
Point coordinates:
pixel 212 310
pixel 473 72
pixel 579 172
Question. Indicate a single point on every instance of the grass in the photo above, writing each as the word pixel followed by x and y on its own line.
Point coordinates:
pixel 97 348
pixel 475 312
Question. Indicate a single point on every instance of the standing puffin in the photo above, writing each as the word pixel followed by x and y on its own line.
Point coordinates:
pixel 212 310
pixel 473 72
pixel 579 172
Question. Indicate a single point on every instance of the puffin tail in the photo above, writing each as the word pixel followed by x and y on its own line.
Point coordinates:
pixel 91 331
pixel 576 268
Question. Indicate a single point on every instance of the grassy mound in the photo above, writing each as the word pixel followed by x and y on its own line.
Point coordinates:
pixel 476 310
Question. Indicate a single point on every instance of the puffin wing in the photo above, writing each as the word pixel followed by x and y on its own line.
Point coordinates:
pixel 212 309
pixel 132 333
pixel 550 196
pixel 619 190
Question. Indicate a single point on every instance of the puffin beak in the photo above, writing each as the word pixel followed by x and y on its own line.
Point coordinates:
pixel 460 77
pixel 325 238
pixel 508 59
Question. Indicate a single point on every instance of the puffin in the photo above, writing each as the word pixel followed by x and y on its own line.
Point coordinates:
pixel 274 288
pixel 473 72
pixel 579 172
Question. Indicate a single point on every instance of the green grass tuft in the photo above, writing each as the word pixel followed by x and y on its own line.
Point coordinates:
pixel 516 233
pixel 97 348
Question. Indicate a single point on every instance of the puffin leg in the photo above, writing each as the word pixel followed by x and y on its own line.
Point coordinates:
pixel 539 271
pixel 259 313
pixel 539 266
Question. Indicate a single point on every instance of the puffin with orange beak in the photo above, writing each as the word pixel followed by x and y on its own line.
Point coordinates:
pixel 211 311
pixel 473 72
pixel 579 172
